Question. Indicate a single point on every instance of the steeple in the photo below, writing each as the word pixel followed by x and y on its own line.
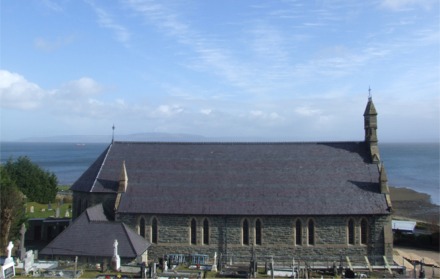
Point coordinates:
pixel 370 126
pixel 370 121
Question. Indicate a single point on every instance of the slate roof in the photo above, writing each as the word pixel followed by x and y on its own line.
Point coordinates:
pixel 331 178
pixel 92 234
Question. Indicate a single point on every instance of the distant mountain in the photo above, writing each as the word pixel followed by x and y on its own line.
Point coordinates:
pixel 160 137
pixel 108 138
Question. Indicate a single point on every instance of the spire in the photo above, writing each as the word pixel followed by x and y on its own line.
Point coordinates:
pixel 370 126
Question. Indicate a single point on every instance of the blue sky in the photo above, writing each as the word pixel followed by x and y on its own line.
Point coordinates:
pixel 278 70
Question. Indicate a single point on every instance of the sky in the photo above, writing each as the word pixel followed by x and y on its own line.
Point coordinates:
pixel 274 70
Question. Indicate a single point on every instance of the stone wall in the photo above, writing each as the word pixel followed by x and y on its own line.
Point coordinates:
pixel 83 200
pixel 277 236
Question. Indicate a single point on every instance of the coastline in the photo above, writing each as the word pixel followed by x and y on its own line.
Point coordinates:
pixel 413 205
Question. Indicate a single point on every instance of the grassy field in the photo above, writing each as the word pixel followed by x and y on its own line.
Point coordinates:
pixel 43 210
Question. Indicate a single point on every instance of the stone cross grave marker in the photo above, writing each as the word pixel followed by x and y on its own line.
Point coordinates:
pixel 22 234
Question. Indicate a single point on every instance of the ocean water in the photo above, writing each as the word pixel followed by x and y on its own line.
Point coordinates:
pixel 408 165
pixel 67 160
pixel 413 165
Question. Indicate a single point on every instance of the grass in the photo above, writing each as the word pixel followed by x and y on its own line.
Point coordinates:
pixel 42 211
pixel 64 187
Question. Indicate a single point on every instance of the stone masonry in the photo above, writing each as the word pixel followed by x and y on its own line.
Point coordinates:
pixel 278 236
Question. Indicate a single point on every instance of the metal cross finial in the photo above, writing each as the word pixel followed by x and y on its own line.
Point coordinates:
pixel 113 133
pixel 369 92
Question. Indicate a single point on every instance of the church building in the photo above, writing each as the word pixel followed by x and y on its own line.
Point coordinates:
pixel 307 200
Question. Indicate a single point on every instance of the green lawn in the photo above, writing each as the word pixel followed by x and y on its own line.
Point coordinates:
pixel 63 187
pixel 42 210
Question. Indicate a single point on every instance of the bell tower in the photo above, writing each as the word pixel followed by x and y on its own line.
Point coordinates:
pixel 370 126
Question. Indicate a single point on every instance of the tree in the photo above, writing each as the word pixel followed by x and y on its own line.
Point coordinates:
pixel 12 208
pixel 37 184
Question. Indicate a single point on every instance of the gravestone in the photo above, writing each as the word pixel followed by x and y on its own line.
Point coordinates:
pixel 9 248
pixel 22 249
pixel 28 261
pixel 57 213
pixel 8 267
pixel 214 266
pixel 67 215
pixel 49 206
pixel 31 209
pixel 116 260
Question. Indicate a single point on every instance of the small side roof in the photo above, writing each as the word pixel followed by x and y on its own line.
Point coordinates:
pixel 407 226
pixel 99 239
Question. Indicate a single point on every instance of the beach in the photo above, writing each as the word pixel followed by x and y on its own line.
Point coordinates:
pixel 409 204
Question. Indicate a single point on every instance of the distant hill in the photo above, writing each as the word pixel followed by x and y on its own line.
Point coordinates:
pixel 108 138
pixel 141 137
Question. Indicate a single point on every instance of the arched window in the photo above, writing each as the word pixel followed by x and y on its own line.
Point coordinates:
pixel 258 232
pixel 142 227
pixel 193 231
pixel 154 237
pixel 311 232
pixel 206 232
pixel 364 231
pixel 350 229
pixel 245 232
pixel 298 232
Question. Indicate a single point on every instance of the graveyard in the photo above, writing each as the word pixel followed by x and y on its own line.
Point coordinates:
pixel 38 210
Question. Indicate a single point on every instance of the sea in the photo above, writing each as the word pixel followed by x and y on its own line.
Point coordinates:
pixel 408 165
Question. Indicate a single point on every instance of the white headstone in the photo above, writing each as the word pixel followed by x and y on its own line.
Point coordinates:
pixel 9 259
pixel 28 261
pixel 67 214
pixel 31 209
pixel 9 248
pixel 116 261
pixel 214 265
pixel 115 247
pixel 57 213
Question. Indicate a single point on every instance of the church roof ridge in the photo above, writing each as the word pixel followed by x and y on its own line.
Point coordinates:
pixel 286 142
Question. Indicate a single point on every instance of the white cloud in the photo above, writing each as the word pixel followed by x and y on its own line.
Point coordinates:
pixel 82 87
pixel 53 5
pixel 18 93
pixel 307 111
pixel 206 111
pixel 74 98
pixel 404 5
pixel 106 20
pixel 50 46
pixel 167 110
pixel 259 114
